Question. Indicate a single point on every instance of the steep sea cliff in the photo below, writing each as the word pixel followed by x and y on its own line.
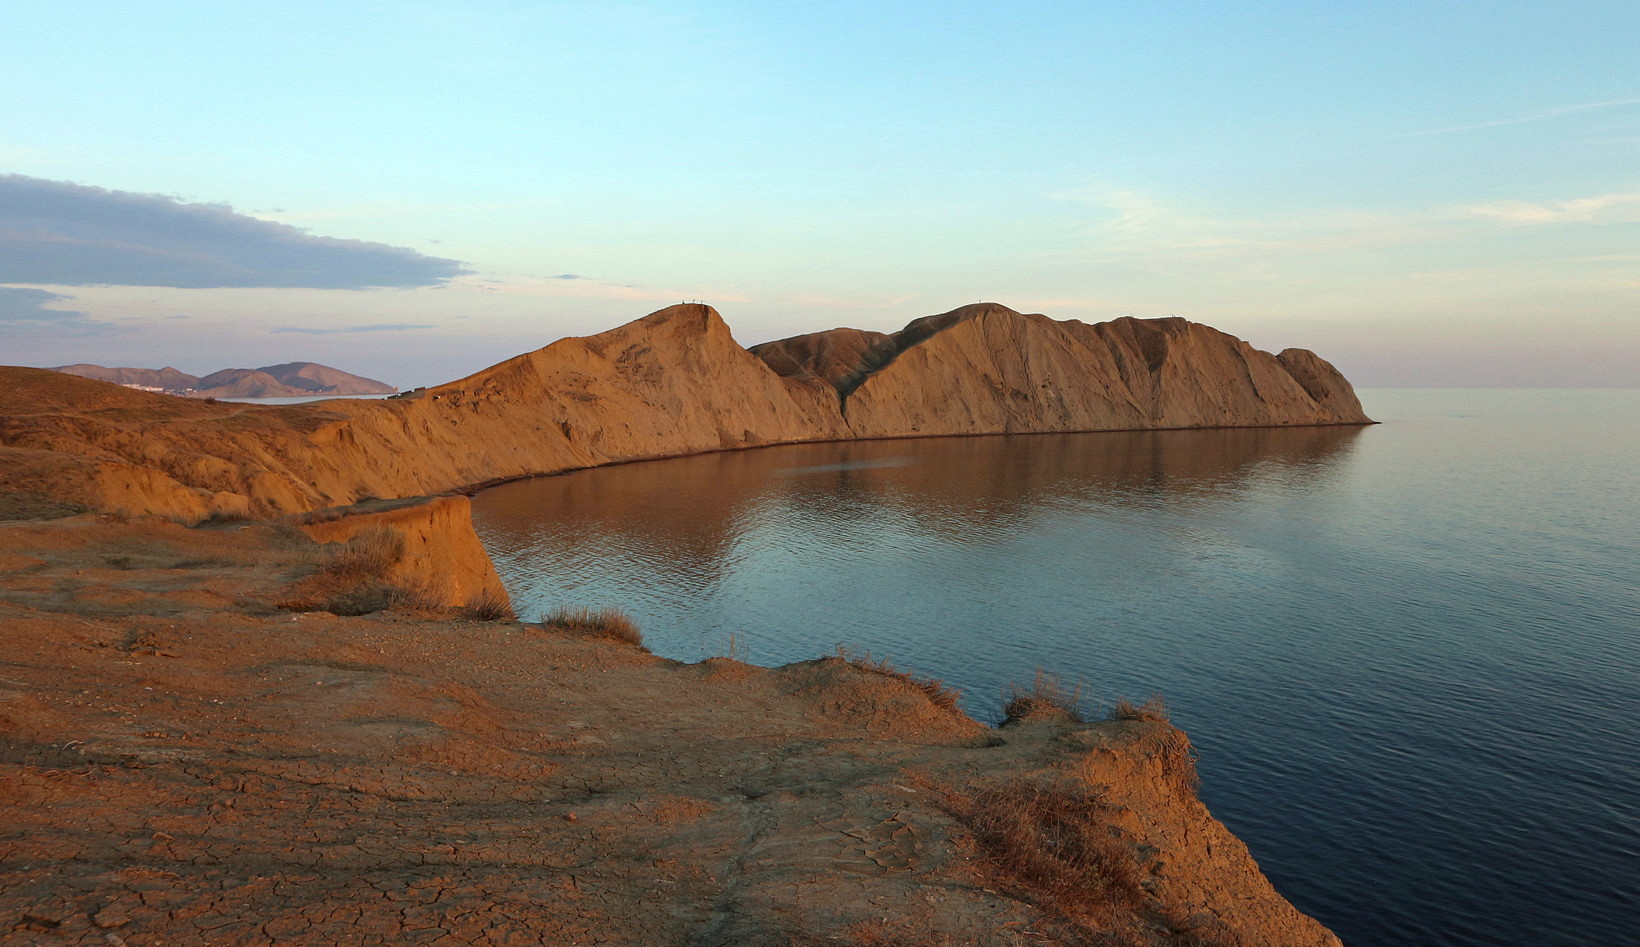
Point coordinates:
pixel 672 383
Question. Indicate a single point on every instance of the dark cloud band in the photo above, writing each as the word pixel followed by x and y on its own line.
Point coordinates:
pixel 63 234
pixel 26 308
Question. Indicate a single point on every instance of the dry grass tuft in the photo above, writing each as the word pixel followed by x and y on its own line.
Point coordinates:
pixel 1046 697
pixel 1057 847
pixel 600 623
pixel 1153 710
pixel 365 557
pixel 224 518
pixel 1178 759
pixel 371 597
pixel 351 579
pixel 939 693
pixel 488 606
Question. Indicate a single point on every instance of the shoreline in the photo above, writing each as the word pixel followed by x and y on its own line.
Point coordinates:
pixel 192 759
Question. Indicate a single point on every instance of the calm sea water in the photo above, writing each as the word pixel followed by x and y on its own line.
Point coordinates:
pixel 1409 654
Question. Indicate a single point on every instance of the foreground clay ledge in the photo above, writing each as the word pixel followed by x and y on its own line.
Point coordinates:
pixel 186 762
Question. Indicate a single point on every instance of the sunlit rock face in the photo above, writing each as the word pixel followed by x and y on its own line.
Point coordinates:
pixel 672 383
pixel 987 369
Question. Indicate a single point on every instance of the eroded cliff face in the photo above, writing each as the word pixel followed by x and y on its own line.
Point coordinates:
pixel 674 382
pixel 440 559
pixel 986 369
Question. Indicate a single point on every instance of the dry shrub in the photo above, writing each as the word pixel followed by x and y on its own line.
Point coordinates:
pixel 27 505
pixel 1178 760
pixel 939 693
pixel 366 556
pixel 352 578
pixel 1045 697
pixel 1153 710
pixel 1055 846
pixel 488 605
pixel 328 515
pixel 595 623
pixel 224 518
pixel 363 598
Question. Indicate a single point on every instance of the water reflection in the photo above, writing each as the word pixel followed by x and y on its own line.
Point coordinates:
pixel 700 546
pixel 1396 648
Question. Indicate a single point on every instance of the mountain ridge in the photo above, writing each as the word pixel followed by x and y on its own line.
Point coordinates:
pixel 671 383
pixel 285 380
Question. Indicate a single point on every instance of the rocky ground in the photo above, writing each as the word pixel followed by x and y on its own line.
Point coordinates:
pixel 184 759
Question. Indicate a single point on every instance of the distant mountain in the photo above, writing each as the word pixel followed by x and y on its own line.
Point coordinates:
pixel 166 379
pixel 288 380
pixel 245 383
pixel 311 376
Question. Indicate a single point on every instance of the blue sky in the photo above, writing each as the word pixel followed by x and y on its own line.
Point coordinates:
pixel 1431 193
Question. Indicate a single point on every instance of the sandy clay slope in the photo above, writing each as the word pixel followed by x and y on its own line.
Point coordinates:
pixel 188 756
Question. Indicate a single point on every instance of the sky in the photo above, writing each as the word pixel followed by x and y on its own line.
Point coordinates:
pixel 1429 194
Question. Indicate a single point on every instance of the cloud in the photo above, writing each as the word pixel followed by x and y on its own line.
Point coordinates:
pixel 1602 209
pixel 570 276
pixel 25 308
pixel 61 234
pixel 586 287
pixel 378 327
pixel 1127 227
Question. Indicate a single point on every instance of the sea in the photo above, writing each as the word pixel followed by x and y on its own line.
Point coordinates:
pixel 303 399
pixel 1408 654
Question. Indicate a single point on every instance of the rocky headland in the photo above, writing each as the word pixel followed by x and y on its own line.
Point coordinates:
pixel 672 383
pixel 261 684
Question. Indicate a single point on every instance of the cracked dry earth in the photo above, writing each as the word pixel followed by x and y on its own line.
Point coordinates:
pixel 181 762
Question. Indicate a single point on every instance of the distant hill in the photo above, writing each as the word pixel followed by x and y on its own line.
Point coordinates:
pixel 166 379
pixel 288 380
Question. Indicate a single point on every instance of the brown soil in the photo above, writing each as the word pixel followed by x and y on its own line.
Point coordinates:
pixel 183 762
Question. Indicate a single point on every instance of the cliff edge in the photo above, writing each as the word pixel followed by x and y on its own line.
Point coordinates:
pixel 186 761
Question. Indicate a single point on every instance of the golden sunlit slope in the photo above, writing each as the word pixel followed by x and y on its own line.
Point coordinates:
pixel 674 382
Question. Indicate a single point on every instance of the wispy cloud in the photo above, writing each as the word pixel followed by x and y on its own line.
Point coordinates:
pixel 1543 116
pixel 375 327
pixel 63 234
pixel 862 302
pixel 1129 227
pixel 1621 208
pixel 589 288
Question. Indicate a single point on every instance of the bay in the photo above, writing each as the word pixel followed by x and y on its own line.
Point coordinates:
pixel 1408 654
